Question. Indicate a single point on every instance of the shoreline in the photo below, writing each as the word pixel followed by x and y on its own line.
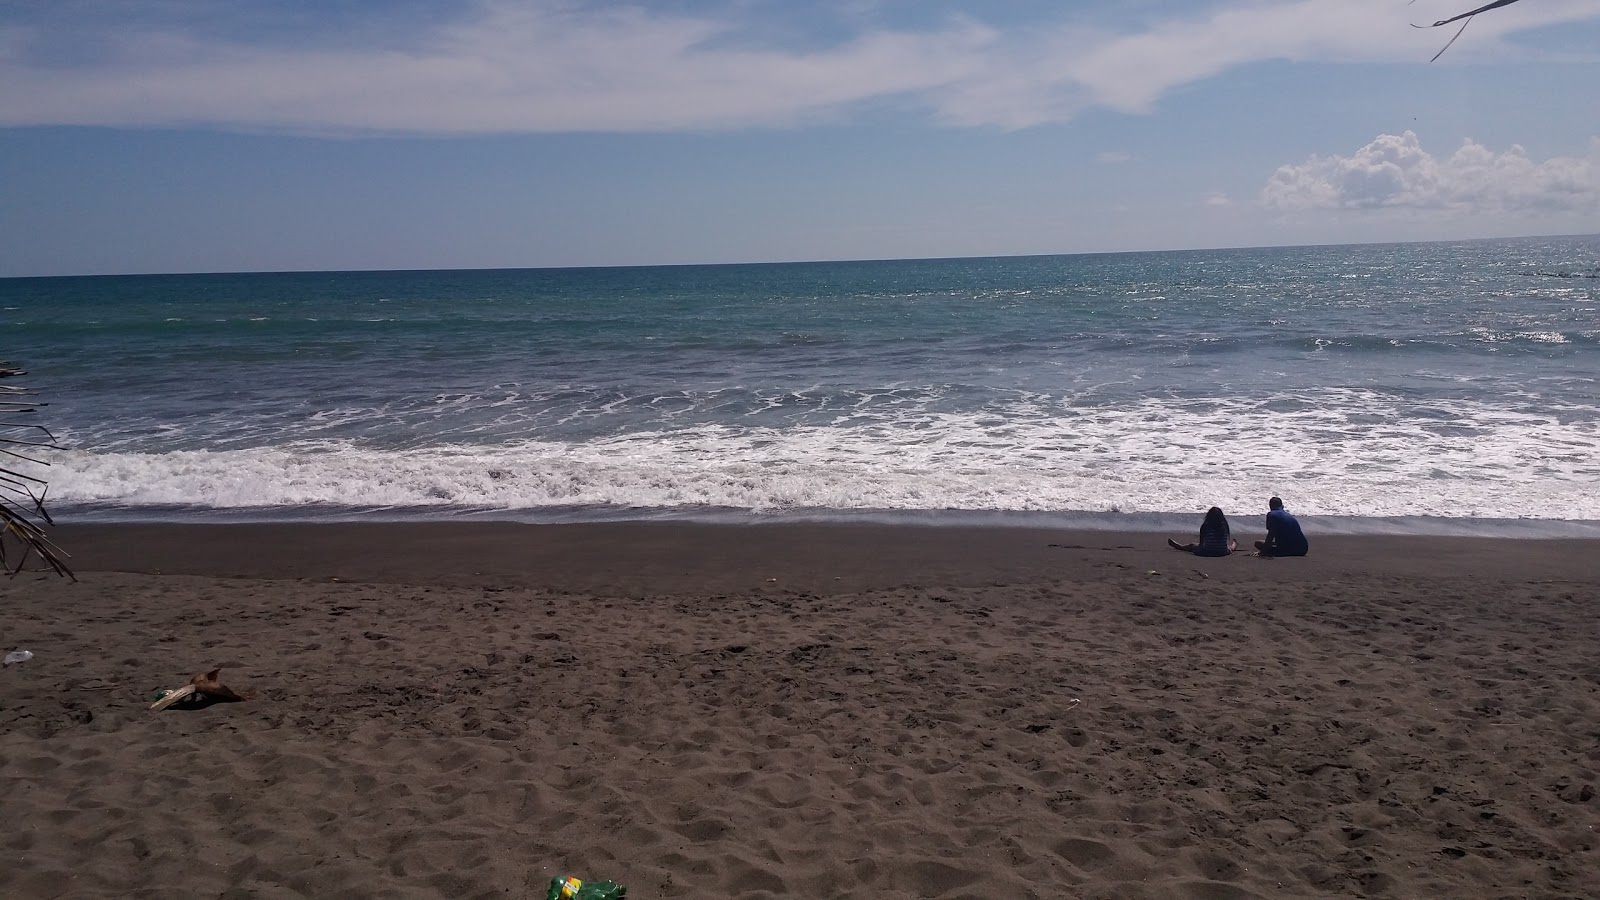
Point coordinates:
pixel 853 712
pixel 676 556
pixel 1068 520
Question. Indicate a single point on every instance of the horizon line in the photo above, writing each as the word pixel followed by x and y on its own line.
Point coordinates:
pixel 792 262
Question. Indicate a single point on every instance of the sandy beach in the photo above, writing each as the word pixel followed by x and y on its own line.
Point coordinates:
pixel 813 711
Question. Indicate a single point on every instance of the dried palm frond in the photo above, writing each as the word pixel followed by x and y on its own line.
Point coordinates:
pixel 22 510
pixel 1465 19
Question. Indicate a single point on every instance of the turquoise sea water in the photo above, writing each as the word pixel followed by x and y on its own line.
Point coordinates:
pixel 1435 387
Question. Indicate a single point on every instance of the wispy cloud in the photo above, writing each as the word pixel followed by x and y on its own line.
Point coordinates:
pixel 1395 172
pixel 500 66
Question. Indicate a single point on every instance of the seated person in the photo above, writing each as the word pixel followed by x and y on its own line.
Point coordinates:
pixel 1284 537
pixel 1214 537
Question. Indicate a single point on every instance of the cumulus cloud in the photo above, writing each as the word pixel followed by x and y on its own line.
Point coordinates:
pixel 496 66
pixel 1394 171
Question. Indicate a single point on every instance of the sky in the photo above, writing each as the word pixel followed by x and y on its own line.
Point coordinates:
pixel 237 135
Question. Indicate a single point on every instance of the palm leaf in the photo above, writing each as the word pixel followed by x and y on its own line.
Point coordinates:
pixel 23 516
pixel 1465 19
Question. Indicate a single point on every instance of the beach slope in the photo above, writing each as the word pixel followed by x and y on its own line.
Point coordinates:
pixel 816 711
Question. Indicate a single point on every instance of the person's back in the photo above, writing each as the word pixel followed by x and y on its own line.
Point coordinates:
pixel 1284 537
pixel 1214 538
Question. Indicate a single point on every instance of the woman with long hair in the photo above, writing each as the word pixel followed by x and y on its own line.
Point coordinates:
pixel 1215 540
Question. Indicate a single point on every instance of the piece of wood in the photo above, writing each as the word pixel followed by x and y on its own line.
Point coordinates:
pixel 202 684
pixel 206 683
pixel 173 697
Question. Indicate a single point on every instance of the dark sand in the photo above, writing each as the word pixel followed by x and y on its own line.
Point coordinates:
pixel 464 710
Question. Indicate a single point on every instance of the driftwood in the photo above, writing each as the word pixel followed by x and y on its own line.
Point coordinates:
pixel 202 684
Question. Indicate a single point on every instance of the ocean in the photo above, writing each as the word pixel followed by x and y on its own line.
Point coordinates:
pixel 1448 388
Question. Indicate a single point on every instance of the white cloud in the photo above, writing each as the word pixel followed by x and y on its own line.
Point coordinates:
pixel 1395 172
pixel 565 65
pixel 514 68
pixel 1132 71
pixel 1112 157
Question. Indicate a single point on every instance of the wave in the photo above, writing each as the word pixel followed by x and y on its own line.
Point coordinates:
pixel 1448 459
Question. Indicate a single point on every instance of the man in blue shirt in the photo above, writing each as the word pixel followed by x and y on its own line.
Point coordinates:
pixel 1284 537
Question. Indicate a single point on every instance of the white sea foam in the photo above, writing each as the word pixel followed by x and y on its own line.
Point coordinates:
pixel 1360 458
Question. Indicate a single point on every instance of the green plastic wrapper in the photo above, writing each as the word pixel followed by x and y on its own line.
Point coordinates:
pixel 563 887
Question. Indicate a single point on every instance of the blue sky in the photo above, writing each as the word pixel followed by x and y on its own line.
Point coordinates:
pixel 231 135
